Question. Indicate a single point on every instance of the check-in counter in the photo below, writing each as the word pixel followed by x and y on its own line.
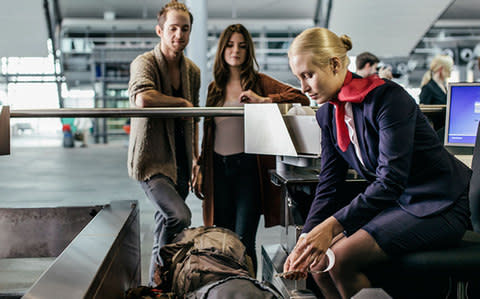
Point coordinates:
pixel 273 129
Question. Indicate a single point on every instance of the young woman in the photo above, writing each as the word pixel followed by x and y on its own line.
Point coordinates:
pixel 417 193
pixel 434 89
pixel 234 184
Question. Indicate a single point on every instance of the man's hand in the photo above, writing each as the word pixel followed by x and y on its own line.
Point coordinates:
pixel 187 104
pixel 385 73
pixel 154 98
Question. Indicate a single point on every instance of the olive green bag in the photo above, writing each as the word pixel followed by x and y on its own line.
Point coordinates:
pixel 199 256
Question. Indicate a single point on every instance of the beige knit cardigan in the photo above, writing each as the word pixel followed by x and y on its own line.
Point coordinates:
pixel 151 147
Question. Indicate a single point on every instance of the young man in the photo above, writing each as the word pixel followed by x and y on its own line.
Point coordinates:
pixel 162 150
pixel 367 65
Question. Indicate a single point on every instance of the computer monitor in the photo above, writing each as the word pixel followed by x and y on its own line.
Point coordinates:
pixel 463 114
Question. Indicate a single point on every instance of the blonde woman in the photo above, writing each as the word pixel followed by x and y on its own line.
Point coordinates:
pixel 417 193
pixel 434 81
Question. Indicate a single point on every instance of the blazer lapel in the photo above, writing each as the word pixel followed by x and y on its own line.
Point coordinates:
pixel 360 129
pixel 350 155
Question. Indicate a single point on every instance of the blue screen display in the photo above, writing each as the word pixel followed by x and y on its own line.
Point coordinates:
pixel 464 114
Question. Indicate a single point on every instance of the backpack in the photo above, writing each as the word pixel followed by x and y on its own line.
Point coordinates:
pixel 199 256
pixel 143 292
pixel 230 286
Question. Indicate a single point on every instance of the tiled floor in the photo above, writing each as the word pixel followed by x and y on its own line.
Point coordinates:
pixel 44 174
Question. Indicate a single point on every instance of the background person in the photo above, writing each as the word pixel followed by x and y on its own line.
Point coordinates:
pixel 434 90
pixel 236 186
pixel 367 65
pixel 434 81
pixel 417 193
pixel 162 150
pixel 83 126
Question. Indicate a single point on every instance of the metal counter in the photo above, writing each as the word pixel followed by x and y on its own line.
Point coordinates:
pixel 103 261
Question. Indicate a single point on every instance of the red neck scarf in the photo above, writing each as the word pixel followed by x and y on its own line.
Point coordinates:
pixel 353 90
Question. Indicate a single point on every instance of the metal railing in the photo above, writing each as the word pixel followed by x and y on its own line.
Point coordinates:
pixel 127 112
pixel 169 112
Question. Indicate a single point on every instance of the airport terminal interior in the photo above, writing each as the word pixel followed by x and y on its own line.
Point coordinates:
pixel 73 224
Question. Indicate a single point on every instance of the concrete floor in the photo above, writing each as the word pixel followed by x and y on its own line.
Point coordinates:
pixel 41 173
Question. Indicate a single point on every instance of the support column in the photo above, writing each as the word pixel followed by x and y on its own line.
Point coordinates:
pixel 198 46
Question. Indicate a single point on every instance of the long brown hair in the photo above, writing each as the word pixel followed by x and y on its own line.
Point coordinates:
pixel 221 70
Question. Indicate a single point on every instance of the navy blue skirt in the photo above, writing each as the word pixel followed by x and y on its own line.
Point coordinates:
pixel 398 232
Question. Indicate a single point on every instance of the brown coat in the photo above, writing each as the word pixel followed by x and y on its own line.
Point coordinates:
pixel 270 194
pixel 151 147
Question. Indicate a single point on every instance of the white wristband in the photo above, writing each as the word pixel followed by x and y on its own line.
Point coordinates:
pixel 331 260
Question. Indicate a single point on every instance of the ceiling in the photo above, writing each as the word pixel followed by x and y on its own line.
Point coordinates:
pixel 23 28
pixel 463 9
pixel 216 8
pixel 389 28
pixel 386 28
pixel 460 9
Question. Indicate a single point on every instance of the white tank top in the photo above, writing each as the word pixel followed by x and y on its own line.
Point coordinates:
pixel 229 133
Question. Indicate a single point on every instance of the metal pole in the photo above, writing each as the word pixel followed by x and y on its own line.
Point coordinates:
pixel 127 112
pixel 198 46
pixel 153 112
pixel 54 51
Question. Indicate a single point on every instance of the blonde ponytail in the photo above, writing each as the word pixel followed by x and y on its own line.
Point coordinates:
pixel 439 61
pixel 347 41
pixel 323 44
pixel 426 78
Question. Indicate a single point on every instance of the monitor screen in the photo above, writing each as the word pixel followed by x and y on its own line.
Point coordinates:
pixel 463 114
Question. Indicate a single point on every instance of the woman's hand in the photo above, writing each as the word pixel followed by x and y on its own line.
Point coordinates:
pixel 251 97
pixel 292 257
pixel 197 181
pixel 311 248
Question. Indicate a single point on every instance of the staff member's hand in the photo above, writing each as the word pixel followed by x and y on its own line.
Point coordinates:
pixel 310 249
pixel 251 97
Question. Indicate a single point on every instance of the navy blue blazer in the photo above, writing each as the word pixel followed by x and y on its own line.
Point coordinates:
pixel 405 163
pixel 432 94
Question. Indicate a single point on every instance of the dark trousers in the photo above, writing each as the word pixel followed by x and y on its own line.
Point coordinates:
pixel 172 215
pixel 237 197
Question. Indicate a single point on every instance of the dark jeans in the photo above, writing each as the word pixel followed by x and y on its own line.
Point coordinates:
pixel 237 197
pixel 172 215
